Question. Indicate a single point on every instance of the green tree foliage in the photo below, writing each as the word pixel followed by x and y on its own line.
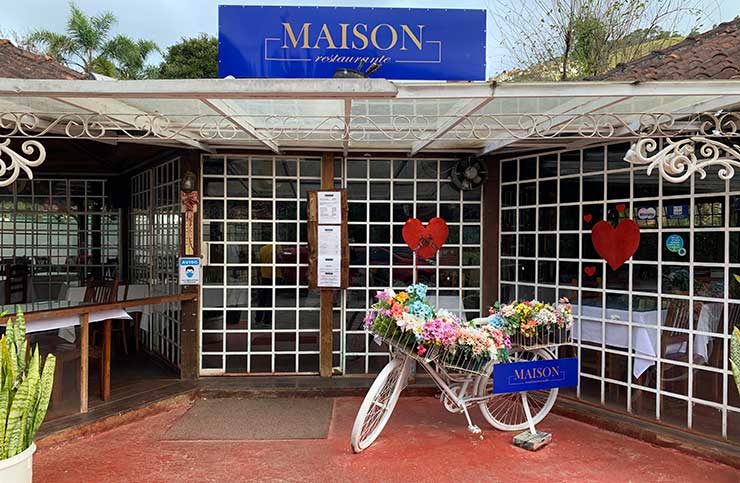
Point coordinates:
pixel 572 39
pixel 129 57
pixel 191 58
pixel 87 46
pixel 589 34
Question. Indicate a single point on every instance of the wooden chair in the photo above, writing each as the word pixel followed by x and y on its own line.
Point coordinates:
pixel 100 292
pixel 674 344
pixel 103 286
pixel 16 283
pixel 135 314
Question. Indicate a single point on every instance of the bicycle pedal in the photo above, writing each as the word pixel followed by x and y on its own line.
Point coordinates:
pixel 474 429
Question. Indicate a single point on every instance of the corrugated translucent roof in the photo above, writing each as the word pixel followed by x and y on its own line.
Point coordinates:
pixel 356 114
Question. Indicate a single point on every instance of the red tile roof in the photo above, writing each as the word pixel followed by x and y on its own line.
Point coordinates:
pixel 22 64
pixel 715 54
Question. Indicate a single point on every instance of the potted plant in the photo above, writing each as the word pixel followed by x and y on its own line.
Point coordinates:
pixel 25 391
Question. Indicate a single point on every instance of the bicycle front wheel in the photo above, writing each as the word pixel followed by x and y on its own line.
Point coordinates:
pixel 379 403
pixel 506 411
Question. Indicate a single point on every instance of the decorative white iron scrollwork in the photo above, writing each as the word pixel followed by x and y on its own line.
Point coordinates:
pixel 678 160
pixel 361 127
pixel 18 162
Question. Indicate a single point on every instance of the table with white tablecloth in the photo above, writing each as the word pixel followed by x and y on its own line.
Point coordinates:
pixel 66 314
pixel 77 295
pixel 644 339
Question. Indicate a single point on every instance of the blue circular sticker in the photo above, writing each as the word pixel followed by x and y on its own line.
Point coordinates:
pixel 674 243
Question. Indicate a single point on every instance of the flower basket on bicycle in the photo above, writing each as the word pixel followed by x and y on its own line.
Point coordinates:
pixel 542 336
pixel 405 342
pixel 409 324
pixel 463 361
pixel 533 324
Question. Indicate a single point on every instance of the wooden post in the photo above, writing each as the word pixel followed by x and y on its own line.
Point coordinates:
pixel 327 295
pixel 490 227
pixel 84 360
pixel 189 313
pixel 105 383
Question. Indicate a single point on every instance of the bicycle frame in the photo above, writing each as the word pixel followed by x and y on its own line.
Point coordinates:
pixel 463 401
pixel 440 378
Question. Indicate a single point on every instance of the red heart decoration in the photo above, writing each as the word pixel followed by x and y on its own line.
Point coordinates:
pixel 620 207
pixel 590 271
pixel 587 218
pixel 425 240
pixel 616 246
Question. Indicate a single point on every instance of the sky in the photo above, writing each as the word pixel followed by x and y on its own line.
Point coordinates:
pixel 166 21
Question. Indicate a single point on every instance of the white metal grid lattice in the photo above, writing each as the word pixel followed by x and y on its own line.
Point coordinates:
pixel 382 194
pixel 706 200
pixel 63 228
pixel 154 250
pixel 258 315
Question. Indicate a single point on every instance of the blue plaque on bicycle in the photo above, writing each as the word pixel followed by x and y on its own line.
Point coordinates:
pixel 534 375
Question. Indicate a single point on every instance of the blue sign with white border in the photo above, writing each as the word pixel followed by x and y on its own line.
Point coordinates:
pixel 534 375
pixel 313 42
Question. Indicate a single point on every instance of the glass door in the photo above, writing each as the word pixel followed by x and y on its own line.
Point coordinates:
pixel 258 316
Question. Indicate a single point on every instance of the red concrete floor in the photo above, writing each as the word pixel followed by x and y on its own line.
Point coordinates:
pixel 421 442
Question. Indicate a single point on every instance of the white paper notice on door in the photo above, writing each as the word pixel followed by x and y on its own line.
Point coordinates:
pixel 329 207
pixel 329 272
pixel 329 266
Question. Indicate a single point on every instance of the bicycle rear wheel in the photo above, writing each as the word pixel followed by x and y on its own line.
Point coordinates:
pixel 506 411
pixel 379 403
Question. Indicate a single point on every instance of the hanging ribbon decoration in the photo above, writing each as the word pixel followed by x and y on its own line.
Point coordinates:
pixel 189 205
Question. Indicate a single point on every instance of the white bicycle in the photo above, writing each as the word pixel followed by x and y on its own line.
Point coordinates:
pixel 461 389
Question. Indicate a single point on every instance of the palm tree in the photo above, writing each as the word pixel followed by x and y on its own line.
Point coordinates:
pixel 87 46
pixel 82 45
pixel 129 57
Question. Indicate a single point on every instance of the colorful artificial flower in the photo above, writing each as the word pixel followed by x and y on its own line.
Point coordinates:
pixel 439 332
pixel 385 294
pixel 496 321
pixel 417 291
pixel 410 323
pixel 367 322
pixel 421 310
pixel 397 310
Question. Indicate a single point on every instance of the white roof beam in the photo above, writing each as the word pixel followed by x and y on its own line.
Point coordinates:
pixel 123 113
pixel 234 114
pixel 563 115
pixel 458 114
pixel 16 113
pixel 202 88
pixel 572 89
pixel 710 105
pixel 353 88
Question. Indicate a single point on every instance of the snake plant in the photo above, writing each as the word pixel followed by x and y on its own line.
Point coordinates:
pixel 25 389
pixel 735 356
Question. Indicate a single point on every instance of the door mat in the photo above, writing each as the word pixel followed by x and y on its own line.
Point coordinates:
pixel 254 419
